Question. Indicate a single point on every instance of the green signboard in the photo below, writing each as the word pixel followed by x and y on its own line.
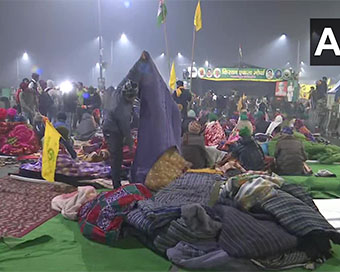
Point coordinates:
pixel 248 74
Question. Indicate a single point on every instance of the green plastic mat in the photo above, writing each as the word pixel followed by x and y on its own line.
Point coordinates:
pixel 319 187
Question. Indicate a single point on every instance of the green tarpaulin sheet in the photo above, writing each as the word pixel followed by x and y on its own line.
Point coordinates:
pixel 319 187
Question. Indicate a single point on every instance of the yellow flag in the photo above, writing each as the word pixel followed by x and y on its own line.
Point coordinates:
pixel 172 81
pixel 198 17
pixel 50 152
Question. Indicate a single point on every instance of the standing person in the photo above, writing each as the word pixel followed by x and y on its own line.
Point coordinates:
pixel 23 85
pixel 313 97
pixel 28 102
pixel 93 101
pixel 261 125
pixel 182 97
pixel 321 87
pixel 263 105
pixel 79 111
pixel 34 83
pixel 50 91
pixel 70 105
pixel 116 127
pixel 45 100
pixel 221 104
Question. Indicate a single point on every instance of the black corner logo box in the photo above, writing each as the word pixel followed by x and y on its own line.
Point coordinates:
pixel 324 42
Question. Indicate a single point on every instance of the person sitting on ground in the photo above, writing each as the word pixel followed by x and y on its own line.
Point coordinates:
pixel 193 147
pixel 289 154
pixel 275 126
pixel 247 151
pixel 185 123
pixel 61 120
pixel 261 125
pixel 87 127
pixel 244 122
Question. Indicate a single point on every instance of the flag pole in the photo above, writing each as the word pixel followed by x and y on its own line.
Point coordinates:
pixel 167 46
pixel 192 56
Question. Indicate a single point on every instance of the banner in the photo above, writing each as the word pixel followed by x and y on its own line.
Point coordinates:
pixel 305 90
pixel 249 74
pixel 281 88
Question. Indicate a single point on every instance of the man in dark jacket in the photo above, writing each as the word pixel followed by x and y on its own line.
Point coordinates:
pixel 261 125
pixel 289 154
pixel 70 101
pixel 93 101
pixel 182 97
pixel 45 100
pixel 116 126
pixel 248 152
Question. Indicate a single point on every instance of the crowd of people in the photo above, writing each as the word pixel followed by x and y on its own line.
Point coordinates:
pixel 77 110
pixel 233 128
pixel 243 126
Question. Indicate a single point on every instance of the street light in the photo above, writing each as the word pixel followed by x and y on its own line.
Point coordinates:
pixel 179 55
pixel 162 55
pixel 123 38
pixel 206 63
pixel 25 57
pixel 298 63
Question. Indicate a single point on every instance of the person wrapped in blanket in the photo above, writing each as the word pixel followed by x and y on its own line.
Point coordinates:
pixel 289 154
pixel 116 126
pixel 193 147
pixel 247 151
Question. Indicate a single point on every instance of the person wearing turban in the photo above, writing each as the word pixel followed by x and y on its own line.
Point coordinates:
pixel 247 151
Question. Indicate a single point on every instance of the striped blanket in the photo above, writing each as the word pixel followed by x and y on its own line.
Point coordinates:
pixel 166 205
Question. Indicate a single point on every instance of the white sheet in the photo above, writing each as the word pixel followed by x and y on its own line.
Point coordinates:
pixel 330 209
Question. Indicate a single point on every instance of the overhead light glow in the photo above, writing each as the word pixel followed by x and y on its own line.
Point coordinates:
pixel 206 63
pixel 97 65
pixel 162 55
pixel 66 86
pixel 123 38
pixel 179 54
pixel 25 56
pixel 302 62
pixel 283 37
pixel 127 4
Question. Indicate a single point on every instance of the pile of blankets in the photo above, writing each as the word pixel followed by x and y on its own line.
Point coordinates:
pixel 17 139
pixel 201 221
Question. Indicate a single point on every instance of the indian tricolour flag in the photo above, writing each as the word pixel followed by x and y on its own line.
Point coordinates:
pixel 162 11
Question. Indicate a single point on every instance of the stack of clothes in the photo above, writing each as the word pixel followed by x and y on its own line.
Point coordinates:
pixel 200 221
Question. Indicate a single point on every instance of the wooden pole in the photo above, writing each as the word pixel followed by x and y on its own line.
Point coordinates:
pixel 167 47
pixel 192 56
